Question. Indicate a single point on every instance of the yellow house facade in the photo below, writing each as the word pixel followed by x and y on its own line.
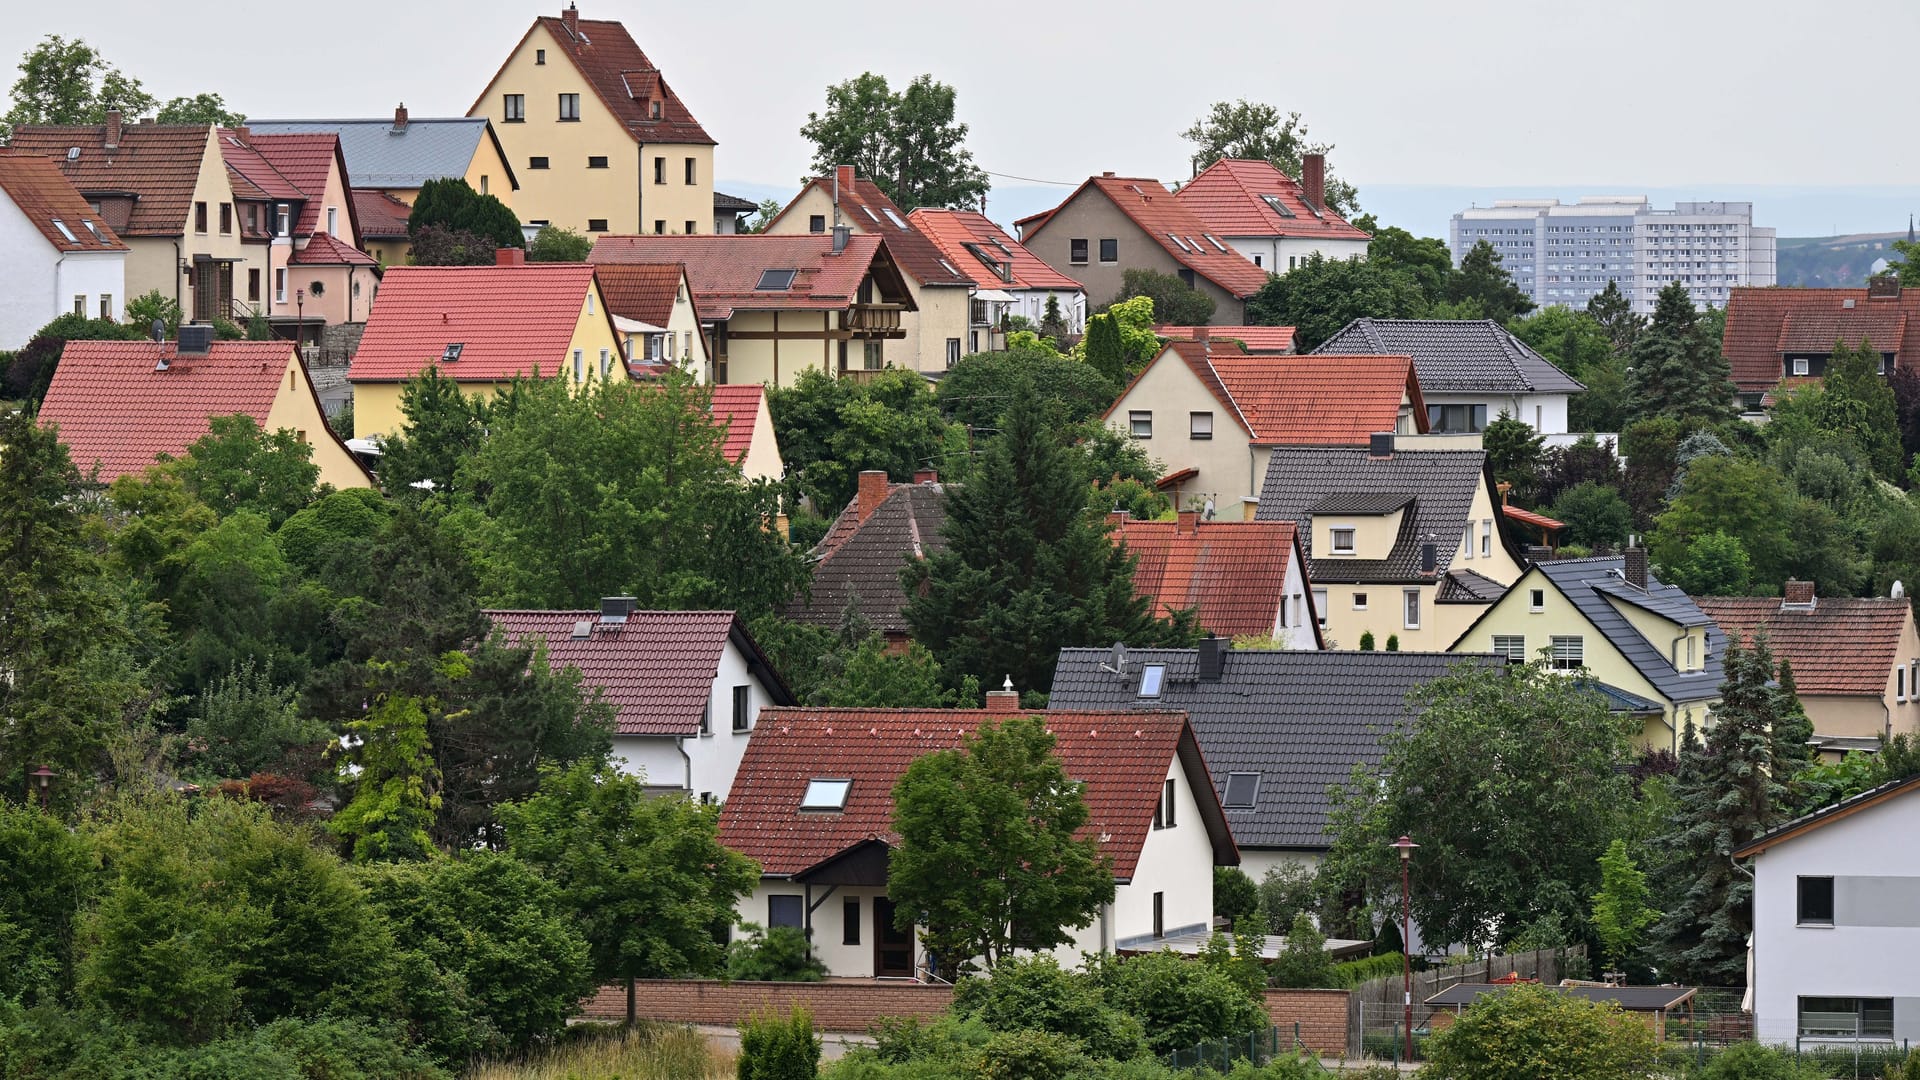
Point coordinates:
pixel 599 142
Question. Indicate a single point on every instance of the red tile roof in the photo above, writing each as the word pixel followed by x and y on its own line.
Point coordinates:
pixel 952 230
pixel 1259 340
pixel 1765 323
pixel 1539 521
pixel 159 164
pixel 112 408
pixel 325 249
pixel 726 270
pixel 508 320
pixel 621 76
pixel 381 216
pixel 1155 210
pixel 1233 572
pixel 657 670
pixel 1122 758
pixel 642 292
pixel 1228 197
pixel 1315 399
pixel 305 160
pixel 868 210
pixel 738 406
pixel 252 174
pixel 44 195
pixel 1843 645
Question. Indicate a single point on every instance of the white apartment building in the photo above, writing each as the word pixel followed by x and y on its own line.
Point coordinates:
pixel 1565 253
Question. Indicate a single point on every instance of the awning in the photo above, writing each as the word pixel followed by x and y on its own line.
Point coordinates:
pixel 635 326
pixel 994 294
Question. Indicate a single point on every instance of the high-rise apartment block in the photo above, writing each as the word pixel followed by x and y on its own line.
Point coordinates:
pixel 1561 253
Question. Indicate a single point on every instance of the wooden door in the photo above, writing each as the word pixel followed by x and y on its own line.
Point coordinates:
pixel 892 948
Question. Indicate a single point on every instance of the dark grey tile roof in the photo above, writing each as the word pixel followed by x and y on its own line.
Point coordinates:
pixel 1441 484
pixel 1619 700
pixel 429 148
pixel 1469 587
pixel 1300 719
pixel 1360 502
pixel 1588 583
pixel 724 203
pixel 865 567
pixel 1453 355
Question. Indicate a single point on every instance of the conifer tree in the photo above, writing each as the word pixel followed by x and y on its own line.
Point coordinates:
pixel 1614 312
pixel 1104 351
pixel 1858 404
pixel 1676 369
pixel 1482 279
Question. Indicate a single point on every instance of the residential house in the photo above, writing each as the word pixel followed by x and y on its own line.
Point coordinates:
pixel 1213 415
pixel 1278 727
pixel 1017 281
pixel 1613 619
pixel 1471 371
pixel 1779 338
pixel 1835 902
pixel 1253 340
pixel 63 257
pixel 1400 544
pixel 774 306
pixel 1239 578
pixel 751 443
pixel 599 141
pixel 813 805
pixel 685 685
pixel 297 216
pixel 652 306
pixel 164 190
pixel 119 405
pixel 936 330
pixel 383 226
pixel 483 326
pixel 1270 218
pixel 1112 224
pixel 857 565
pixel 1855 660
pixel 397 157
pixel 727 211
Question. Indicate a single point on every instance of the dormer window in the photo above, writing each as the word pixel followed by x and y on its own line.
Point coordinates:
pixel 1341 540
pixel 656 108
pixel 826 795
pixel 1151 678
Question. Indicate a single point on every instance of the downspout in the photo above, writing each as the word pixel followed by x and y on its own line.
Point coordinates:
pixel 640 189
pixel 177 274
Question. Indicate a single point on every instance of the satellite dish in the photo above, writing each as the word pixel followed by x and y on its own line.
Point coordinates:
pixel 1207 511
pixel 1898 591
pixel 158 331
pixel 1117 662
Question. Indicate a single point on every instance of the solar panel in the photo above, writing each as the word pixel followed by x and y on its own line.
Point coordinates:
pixel 776 280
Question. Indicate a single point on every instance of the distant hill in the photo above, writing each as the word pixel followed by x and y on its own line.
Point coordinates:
pixel 1832 261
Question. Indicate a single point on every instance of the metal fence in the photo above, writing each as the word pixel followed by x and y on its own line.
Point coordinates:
pixel 1257 1047
pixel 1376 1013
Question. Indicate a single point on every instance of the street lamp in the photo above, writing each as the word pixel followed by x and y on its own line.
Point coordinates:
pixel 1405 846
pixel 43 774
pixel 299 317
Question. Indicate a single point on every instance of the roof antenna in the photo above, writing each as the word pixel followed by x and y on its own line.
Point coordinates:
pixel 1008 685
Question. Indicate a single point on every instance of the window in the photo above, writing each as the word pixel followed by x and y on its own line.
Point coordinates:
pixel 1342 540
pixel 784 911
pixel 1846 1018
pixel 596 161
pixel 569 106
pixel 1167 804
pixel 1200 425
pixel 826 795
pixel 1243 790
pixel 1140 424
pixel 1456 418
pixel 1536 599
pixel 333 221
pixel 1511 646
pixel 596 224
pixel 659 170
pixel 1800 365
pixel 656 108
pixel 686 228
pixel 742 708
pixel 606 362
pixel 106 305
pixel 253 218
pixel 850 921
pixel 1569 652
pixel 1077 251
pixel 1359 601
pixel 253 284
pixel 1109 250
pixel 199 217
pixel 659 227
pixel 953 351
pixel 1816 901
pixel 1486 538
pixel 690 170
pixel 1256 260
pixel 514 108
pixel 1159 914
pixel 1320 606
pixel 706 718
pixel 80 305
pixel 817 223
pixel 1899 678
pixel 579 364
pixel 280 285
pixel 536 163
pixel 1151 677
pixel 1413 608
pixel 872 355
pixel 226 219
pixel 776 280
pixel 539 56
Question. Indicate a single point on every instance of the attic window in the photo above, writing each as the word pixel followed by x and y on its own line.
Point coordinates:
pixel 452 352
pixel 1182 244
pixel 1151 676
pixel 869 212
pixel 582 630
pixel 826 795
pixel 893 217
pixel 950 268
pixel 1215 241
pixel 98 239
pixel 776 280
pixel 1243 789
pixel 64 231
pixel 1278 206
pixel 656 108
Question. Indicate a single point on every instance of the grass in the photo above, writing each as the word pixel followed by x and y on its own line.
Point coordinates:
pixel 646 1052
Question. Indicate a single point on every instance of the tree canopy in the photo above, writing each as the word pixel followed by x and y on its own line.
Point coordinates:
pixel 449 203
pixel 1321 295
pixel 1258 131
pixel 907 141
pixel 67 81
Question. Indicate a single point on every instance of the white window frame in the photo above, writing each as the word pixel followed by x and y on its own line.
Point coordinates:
pixel 1536 600
pixel 1140 423
pixel 1410 602
pixel 1320 607
pixel 1511 646
pixel 280 285
pixel 333 221
pixel 1334 547
pixel 579 365
pixel 1359 601
pixel 1800 365
pixel 1199 425
pixel 1153 680
pixel 1486 538
pixel 606 363
pixel 1568 652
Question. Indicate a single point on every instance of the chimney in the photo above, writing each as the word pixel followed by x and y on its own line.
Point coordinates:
pixel 1204 336
pixel 873 491
pixel 196 339
pixel 1880 287
pixel 1186 523
pixel 1634 567
pixel 1313 180
pixel 244 134
pixel 570 18
pixel 841 234
pixel 926 476
pixel 1109 172
pixel 1380 444
pixel 1003 701
pixel 400 118
pixel 1799 594
pixel 842 181
pixel 1429 558
pixel 509 257
pixel 113 129
pixel 1213 657
pixel 1116 517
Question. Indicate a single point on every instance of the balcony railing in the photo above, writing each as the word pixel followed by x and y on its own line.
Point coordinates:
pixel 874 318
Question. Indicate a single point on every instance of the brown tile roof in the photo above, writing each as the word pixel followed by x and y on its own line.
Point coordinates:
pixel 157 163
pixel 1259 340
pixel 305 160
pixel 1843 645
pixel 1300 400
pixel 1122 758
pixel 1230 197
pixel 623 79
pixel 953 230
pixel 860 559
pixel 325 249
pixel 1189 241
pixel 738 408
pixel 36 186
pixel 252 175
pixel 644 292
pixel 508 320
pixel 869 210
pixel 1764 323
pixel 726 270
pixel 381 216
pixel 1233 572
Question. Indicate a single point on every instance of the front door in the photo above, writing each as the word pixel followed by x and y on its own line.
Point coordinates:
pixel 212 290
pixel 892 948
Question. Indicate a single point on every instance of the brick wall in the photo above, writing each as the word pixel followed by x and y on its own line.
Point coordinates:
pixel 850 1006
pixel 1321 1014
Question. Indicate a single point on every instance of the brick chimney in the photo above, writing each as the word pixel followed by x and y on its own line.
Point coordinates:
pixel 1799 594
pixel 1003 701
pixel 843 180
pixel 1313 179
pixel 1634 567
pixel 113 129
pixel 400 118
pixel 244 134
pixel 873 492
pixel 1204 337
pixel 570 18
pixel 1883 287
pixel 926 476
pixel 1116 517
pixel 509 257
pixel 1186 523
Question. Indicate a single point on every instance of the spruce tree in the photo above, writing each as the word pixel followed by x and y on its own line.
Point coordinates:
pixel 1025 572
pixel 1483 279
pixel 1676 370
pixel 1614 312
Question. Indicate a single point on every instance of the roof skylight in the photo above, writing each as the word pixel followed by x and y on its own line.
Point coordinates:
pixel 826 795
pixel 1181 244
pixel 1243 790
pixel 776 280
pixel 893 217
pixel 1151 677
pixel 64 231
pixel 1278 206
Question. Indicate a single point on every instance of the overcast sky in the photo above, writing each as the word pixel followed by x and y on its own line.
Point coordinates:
pixel 1623 96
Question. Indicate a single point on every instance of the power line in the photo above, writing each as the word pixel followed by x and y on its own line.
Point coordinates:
pixel 1033 180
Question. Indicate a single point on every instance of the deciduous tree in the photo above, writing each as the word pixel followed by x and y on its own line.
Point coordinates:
pixel 1257 131
pixel 907 142
pixel 1174 301
pixel 200 109
pixel 66 81
pixel 556 243
pixel 1620 910
pixel 1321 295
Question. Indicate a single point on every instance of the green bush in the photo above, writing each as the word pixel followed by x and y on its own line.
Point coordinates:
pixel 898 1040
pixel 1521 1029
pixel 1031 1055
pixel 1351 973
pixel 1235 895
pixel 46 1044
pixel 1037 994
pixel 1287 890
pixel 1303 962
pixel 781 954
pixel 1752 1061
pixel 1179 1002
pixel 775 1047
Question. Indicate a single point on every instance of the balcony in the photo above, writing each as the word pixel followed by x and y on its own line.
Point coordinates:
pixel 875 320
